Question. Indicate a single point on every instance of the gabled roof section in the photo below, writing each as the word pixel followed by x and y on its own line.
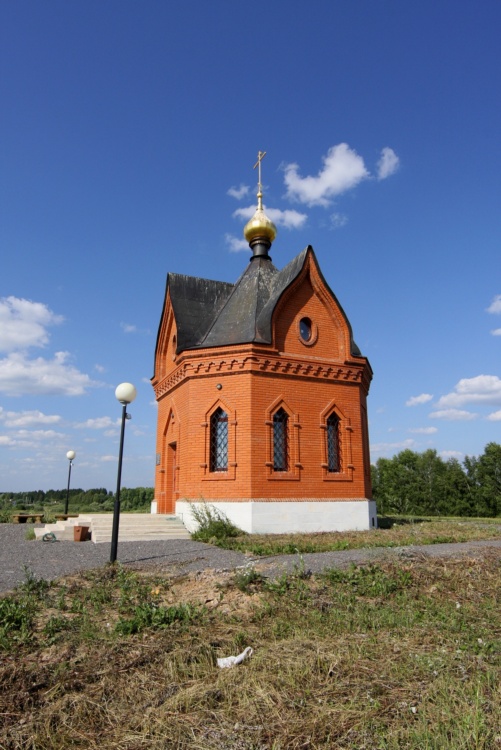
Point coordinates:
pixel 196 302
pixel 215 313
pixel 283 279
pixel 236 322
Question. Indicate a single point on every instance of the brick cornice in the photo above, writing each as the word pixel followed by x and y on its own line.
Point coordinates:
pixel 348 372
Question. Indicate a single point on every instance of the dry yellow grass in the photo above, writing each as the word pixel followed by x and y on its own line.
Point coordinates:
pixel 394 532
pixel 394 656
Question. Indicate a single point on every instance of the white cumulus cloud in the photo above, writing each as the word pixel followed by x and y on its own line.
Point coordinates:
pixel 451 454
pixel 38 434
pixel 495 416
pixel 482 389
pixel 128 328
pixel 23 323
pixel 387 164
pixel 390 447
pixel 236 245
pixel 342 170
pixel 99 423
pixel 453 415
pixel 27 418
pixel 496 332
pixel 423 398
pixel 21 376
pixel 289 218
pixel 495 306
pixel 239 192
pixel 34 438
pixel 424 430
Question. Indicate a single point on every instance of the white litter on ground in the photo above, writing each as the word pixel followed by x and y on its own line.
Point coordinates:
pixel 231 661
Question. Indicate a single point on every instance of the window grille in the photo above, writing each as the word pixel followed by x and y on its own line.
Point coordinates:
pixel 280 441
pixel 333 461
pixel 219 441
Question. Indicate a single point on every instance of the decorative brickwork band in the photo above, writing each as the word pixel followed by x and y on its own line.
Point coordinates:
pixel 277 365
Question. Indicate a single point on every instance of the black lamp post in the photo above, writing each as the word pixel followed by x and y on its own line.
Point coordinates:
pixel 125 393
pixel 70 456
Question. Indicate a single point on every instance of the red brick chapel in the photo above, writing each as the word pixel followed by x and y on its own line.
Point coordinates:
pixel 261 395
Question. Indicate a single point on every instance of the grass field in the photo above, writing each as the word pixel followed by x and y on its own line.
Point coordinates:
pixel 393 531
pixel 391 656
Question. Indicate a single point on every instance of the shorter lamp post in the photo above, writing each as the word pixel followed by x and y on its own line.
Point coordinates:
pixel 70 456
pixel 125 393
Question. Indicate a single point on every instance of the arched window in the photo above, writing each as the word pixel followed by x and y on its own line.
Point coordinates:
pixel 219 441
pixel 332 436
pixel 280 441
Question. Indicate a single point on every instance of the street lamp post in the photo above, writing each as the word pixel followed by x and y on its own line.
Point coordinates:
pixel 70 456
pixel 125 393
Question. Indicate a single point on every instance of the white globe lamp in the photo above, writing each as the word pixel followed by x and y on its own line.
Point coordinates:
pixel 125 393
pixel 70 456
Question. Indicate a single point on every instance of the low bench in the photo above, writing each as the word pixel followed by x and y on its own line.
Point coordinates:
pixel 24 517
pixel 65 516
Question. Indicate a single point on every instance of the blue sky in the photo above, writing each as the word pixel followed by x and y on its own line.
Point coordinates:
pixel 129 131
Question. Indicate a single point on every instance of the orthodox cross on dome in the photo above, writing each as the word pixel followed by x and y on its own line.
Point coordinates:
pixel 260 157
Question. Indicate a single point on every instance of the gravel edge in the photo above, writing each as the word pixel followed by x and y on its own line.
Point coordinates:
pixel 51 560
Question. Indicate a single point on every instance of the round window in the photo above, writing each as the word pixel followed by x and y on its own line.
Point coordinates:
pixel 305 329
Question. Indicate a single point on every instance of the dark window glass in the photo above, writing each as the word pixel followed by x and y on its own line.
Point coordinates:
pixel 305 329
pixel 333 462
pixel 219 441
pixel 280 441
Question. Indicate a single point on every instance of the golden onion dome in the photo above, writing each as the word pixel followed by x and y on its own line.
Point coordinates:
pixel 260 225
pixel 260 231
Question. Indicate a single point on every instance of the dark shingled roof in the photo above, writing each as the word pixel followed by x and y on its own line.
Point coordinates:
pixel 214 313
pixel 195 302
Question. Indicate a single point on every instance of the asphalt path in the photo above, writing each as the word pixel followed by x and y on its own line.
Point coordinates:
pixel 51 560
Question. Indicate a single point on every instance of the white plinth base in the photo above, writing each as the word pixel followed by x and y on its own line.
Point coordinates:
pixel 153 506
pixel 290 516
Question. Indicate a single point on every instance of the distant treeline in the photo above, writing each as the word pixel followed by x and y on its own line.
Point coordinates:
pixel 423 483
pixel 95 500
pixel 409 483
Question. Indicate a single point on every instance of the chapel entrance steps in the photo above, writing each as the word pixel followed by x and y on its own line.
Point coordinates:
pixel 133 527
